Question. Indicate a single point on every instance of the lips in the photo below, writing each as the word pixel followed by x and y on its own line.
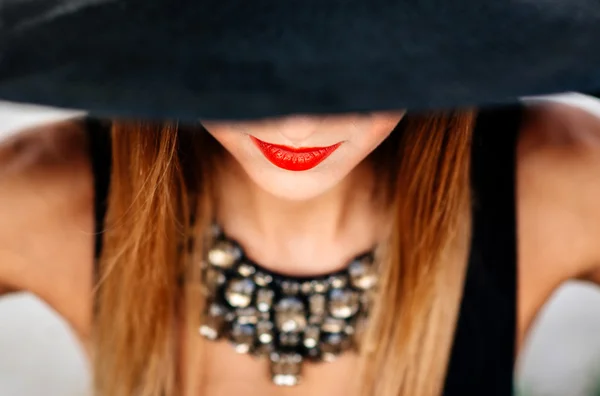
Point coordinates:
pixel 294 159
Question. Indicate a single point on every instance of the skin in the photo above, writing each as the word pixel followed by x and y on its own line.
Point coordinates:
pixel 312 221
pixel 298 214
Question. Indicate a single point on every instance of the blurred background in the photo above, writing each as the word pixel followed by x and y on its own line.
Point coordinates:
pixel 40 355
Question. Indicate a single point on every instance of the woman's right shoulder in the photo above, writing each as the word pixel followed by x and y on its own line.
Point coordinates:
pixel 46 207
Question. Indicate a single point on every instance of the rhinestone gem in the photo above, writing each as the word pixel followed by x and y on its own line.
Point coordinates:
pixel 289 339
pixel 362 274
pixel 311 336
pixel 338 281
pixel 285 368
pixel 330 351
pixel 290 315
pixel 242 336
pixel 264 315
pixel 332 346
pixel 264 331
pixel 247 315
pixel 262 279
pixel 290 287
pixel 319 286
pixel 265 349
pixel 217 310
pixel 213 278
pixel 314 352
pixel 213 321
pixel 333 325
pixel 343 303
pixel 246 270
pixel 239 292
pixel 264 299
pixel 224 254
pixel 214 231
pixel 306 287
pixel 230 316
pixel 316 303
pixel 211 326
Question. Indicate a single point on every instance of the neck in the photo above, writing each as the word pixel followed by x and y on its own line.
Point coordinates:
pixel 302 238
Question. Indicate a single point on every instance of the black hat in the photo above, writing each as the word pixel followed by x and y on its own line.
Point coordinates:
pixel 192 59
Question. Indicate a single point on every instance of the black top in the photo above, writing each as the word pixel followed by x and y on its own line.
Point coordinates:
pixel 482 357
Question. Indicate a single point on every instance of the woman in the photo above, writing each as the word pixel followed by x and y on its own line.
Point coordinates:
pixel 432 240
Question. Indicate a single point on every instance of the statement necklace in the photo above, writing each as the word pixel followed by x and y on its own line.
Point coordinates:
pixel 287 319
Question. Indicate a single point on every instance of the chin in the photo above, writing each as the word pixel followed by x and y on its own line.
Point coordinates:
pixel 296 186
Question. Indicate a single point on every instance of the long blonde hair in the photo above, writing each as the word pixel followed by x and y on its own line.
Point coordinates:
pixel 148 281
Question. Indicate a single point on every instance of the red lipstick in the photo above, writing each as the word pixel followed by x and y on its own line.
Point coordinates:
pixel 294 159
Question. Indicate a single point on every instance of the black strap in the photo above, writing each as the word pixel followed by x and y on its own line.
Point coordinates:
pixel 482 357
pixel 100 154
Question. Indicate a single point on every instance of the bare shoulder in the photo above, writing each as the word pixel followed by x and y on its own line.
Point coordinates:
pixel 46 206
pixel 558 201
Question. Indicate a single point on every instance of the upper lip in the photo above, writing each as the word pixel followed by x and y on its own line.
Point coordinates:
pixel 297 149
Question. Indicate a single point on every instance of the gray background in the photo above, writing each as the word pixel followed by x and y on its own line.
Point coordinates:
pixel 40 355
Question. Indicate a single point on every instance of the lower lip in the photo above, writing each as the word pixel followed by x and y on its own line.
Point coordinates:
pixel 293 159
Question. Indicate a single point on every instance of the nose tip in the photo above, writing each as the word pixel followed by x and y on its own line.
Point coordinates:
pixel 298 128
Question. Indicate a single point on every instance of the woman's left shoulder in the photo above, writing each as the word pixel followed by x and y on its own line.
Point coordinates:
pixel 558 190
pixel 558 203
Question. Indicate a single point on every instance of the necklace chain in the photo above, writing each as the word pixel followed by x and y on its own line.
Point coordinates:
pixel 287 319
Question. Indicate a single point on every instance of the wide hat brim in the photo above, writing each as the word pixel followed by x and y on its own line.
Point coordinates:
pixel 246 59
